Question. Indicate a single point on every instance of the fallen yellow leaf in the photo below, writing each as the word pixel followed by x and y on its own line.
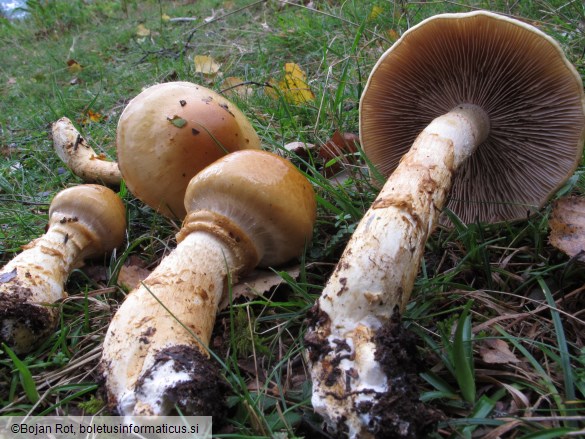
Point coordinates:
pixel 73 66
pixel 232 85
pixel 294 70
pixel 165 17
pixel 293 87
pixel 206 65
pixel 295 90
pixel 94 116
pixel 91 116
pixel 271 88
pixel 392 34
pixel 375 12
pixel 142 30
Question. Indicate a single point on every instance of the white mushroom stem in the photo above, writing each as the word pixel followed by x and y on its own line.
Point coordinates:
pixel 84 221
pixel 80 157
pixel 155 350
pixel 377 270
pixel 32 281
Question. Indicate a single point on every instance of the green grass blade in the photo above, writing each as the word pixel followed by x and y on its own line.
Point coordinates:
pixel 26 379
pixel 549 433
pixel 562 342
pixel 86 389
pixel 340 92
pixel 463 355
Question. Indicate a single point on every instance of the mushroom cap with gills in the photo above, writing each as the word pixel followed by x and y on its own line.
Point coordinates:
pixel 517 74
pixel 278 226
pixel 171 131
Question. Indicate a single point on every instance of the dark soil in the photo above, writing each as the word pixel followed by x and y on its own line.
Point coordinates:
pixel 204 394
pixel 32 321
pixel 399 413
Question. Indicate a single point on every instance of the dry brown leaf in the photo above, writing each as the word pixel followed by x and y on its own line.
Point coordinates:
pixel 567 224
pixel 142 30
pixel 496 351
pixel 206 65
pixel 73 66
pixel 233 85
pixel 392 35
pixel 92 116
pixel 338 146
pixel 259 282
pixel 131 275
pixel 96 273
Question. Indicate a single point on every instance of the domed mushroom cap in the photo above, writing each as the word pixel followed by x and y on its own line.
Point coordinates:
pixel 98 213
pixel 518 75
pixel 171 131
pixel 265 195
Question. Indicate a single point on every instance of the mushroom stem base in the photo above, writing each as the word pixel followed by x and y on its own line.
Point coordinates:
pixel 81 158
pixel 33 281
pixel 161 323
pixel 376 273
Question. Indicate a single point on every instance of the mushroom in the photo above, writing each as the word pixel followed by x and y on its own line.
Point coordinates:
pixel 497 115
pixel 165 135
pixel 171 131
pixel 84 221
pixel 80 157
pixel 248 208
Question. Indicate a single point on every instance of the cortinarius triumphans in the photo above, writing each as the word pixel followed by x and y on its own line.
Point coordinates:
pixel 245 209
pixel 84 221
pixel 80 157
pixel 476 105
pixel 171 131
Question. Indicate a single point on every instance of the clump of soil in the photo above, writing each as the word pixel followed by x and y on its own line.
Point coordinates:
pixel 316 339
pixel 32 322
pixel 204 393
pixel 399 413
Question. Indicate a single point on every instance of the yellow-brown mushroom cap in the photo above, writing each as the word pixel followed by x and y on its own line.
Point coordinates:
pixel 265 195
pixel 171 131
pixel 93 210
pixel 517 74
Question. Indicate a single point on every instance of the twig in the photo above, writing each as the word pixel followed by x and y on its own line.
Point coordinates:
pixel 259 84
pixel 181 19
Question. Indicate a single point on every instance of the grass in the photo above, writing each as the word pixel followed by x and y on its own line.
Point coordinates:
pixel 497 310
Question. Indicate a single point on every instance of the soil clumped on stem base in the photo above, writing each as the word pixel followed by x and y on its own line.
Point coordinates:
pixel 400 413
pixel 204 393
